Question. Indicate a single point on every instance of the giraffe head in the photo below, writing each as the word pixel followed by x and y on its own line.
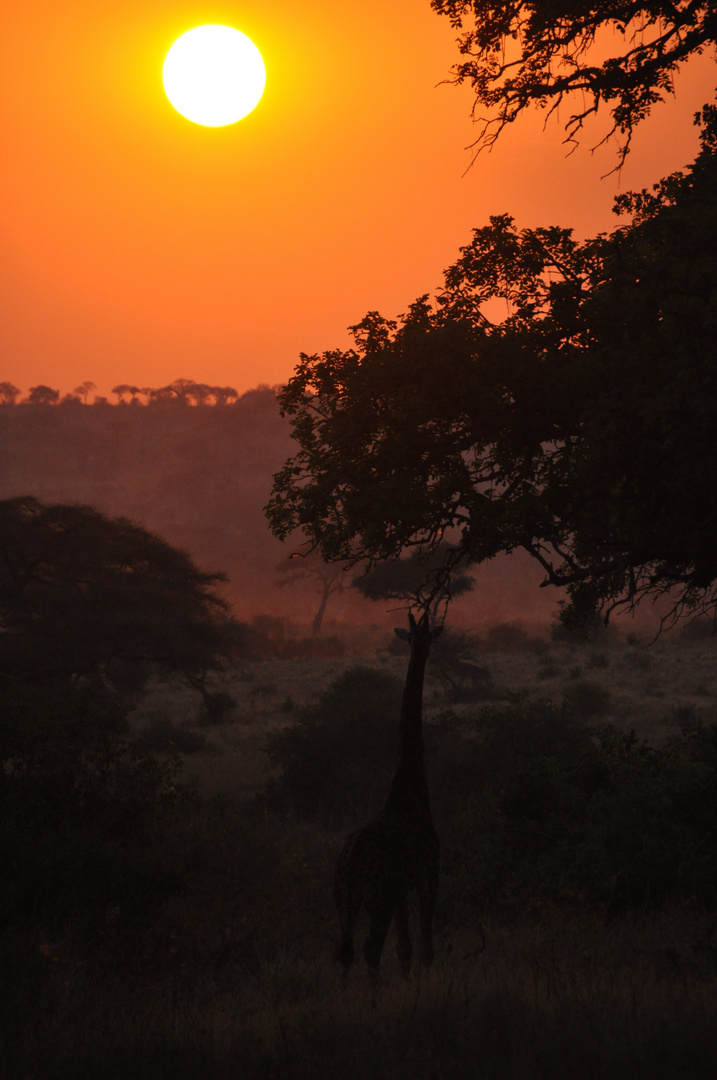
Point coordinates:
pixel 419 635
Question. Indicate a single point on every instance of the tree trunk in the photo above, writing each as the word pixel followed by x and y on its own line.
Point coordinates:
pixel 319 616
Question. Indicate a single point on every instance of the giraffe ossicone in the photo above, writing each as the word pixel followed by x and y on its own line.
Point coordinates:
pixel 397 852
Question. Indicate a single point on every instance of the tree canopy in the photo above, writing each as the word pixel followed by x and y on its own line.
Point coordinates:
pixel 582 426
pixel 519 53
pixel 424 579
pixel 82 593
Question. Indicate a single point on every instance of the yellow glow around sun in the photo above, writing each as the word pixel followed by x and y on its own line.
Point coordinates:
pixel 214 75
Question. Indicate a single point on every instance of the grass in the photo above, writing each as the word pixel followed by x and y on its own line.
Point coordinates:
pixel 637 686
pixel 556 999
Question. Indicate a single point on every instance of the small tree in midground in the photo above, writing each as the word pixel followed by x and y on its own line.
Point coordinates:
pixel 419 580
pixel 329 578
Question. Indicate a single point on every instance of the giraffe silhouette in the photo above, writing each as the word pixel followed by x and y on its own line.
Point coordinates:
pixel 397 851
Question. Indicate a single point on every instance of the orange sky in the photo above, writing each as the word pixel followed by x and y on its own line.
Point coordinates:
pixel 139 247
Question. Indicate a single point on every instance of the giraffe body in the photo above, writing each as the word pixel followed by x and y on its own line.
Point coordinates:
pixel 396 852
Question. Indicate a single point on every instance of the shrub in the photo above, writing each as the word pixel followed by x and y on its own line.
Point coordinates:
pixel 556 816
pixel 79 809
pixel 165 737
pixel 534 807
pixel 510 637
pixel 337 759
pixel 578 618
pixel 586 699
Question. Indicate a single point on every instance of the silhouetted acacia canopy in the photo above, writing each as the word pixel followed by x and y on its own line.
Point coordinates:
pixel 80 591
pixel 581 427
pixel 523 52
pixel 420 579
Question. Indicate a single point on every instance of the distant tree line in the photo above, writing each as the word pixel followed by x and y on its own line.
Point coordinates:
pixel 179 392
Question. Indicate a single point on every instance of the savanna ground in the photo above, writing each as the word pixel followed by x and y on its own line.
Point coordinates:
pixel 652 687
pixel 574 938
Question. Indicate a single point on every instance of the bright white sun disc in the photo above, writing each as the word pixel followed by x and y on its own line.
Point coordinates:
pixel 214 75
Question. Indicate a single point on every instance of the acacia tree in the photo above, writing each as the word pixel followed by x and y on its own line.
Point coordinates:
pixel 43 395
pixel 519 53
pixel 582 427
pixel 125 388
pixel 329 579
pixel 422 579
pixel 9 393
pixel 224 394
pixel 85 390
pixel 85 594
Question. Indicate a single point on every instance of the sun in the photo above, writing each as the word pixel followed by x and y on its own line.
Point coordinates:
pixel 214 75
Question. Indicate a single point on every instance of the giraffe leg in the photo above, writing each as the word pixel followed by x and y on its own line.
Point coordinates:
pixel 380 922
pixel 348 899
pixel 427 894
pixel 345 951
pixel 403 937
pixel 348 905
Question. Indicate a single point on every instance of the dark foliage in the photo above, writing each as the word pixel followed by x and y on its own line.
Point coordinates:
pixel 580 428
pixel 337 760
pixel 453 665
pixel 587 699
pixel 540 808
pixel 81 811
pixel 180 392
pixel 610 822
pixel 519 53
pixel 43 395
pixel 425 578
pixel 579 620
pixel 88 604
pixel 82 593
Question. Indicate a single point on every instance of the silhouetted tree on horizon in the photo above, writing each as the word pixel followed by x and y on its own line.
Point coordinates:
pixel 84 390
pixel 9 393
pixel 43 395
pixel 179 392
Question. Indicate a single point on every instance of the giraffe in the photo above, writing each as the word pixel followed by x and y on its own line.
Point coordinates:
pixel 397 851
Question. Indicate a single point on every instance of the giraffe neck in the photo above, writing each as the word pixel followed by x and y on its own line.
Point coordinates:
pixel 411 722
pixel 408 798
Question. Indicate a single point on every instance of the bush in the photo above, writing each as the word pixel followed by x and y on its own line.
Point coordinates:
pixel 451 663
pixel 163 736
pixel 80 808
pixel 556 815
pixel 533 806
pixel 586 699
pixel 579 618
pixel 338 758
